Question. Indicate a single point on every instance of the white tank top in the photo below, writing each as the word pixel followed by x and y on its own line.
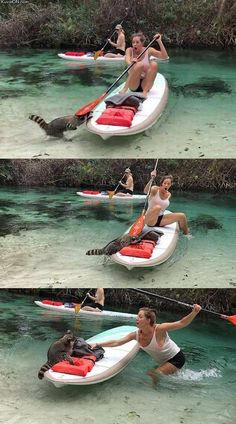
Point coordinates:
pixel 156 200
pixel 161 354
pixel 144 58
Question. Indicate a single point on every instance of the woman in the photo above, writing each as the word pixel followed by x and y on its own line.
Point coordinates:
pixel 119 46
pixel 128 186
pixel 159 200
pixel 98 301
pixel 154 339
pixel 143 73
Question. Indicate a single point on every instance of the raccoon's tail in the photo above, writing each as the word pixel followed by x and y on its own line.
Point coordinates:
pixel 43 124
pixel 95 252
pixel 43 369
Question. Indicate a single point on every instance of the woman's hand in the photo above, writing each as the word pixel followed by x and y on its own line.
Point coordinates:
pixel 196 308
pixel 158 37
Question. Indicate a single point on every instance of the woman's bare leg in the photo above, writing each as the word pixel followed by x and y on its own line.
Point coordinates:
pixel 149 79
pixel 152 215
pixel 166 369
pixel 89 308
pixel 134 78
pixel 176 217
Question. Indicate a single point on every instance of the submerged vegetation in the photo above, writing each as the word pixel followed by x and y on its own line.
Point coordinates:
pixel 87 23
pixel 196 174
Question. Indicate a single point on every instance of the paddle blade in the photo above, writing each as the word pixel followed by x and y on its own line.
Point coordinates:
pixel 231 319
pixel 111 194
pixel 97 54
pixel 77 308
pixel 90 106
pixel 137 226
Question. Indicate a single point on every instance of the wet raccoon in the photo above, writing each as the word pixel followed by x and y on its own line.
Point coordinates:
pixel 58 351
pixel 57 126
pixel 115 245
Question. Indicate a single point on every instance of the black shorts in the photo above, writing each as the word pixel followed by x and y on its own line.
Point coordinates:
pixel 95 305
pixel 178 360
pixel 117 51
pixel 158 222
pixel 126 191
pixel 139 89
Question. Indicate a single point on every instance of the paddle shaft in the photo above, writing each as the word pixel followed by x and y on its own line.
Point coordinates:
pixel 149 190
pixel 174 301
pixel 119 184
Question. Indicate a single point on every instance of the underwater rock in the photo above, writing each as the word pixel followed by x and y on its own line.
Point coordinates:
pixel 205 222
pixel 204 87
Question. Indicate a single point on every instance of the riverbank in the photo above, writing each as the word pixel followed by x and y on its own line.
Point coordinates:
pixel 194 23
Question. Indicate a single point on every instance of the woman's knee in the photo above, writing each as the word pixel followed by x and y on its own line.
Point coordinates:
pixel 153 66
pixel 182 217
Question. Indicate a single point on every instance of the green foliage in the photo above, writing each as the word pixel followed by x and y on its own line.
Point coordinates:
pixel 88 23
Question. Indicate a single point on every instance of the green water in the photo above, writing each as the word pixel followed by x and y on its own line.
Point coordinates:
pixel 45 233
pixel 204 390
pixel 199 120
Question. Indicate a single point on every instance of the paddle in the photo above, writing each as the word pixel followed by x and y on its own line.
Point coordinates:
pixel 231 318
pixel 90 106
pixel 78 306
pixel 138 225
pixel 111 193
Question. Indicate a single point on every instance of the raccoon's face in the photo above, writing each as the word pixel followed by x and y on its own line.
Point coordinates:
pixel 68 338
pixel 84 118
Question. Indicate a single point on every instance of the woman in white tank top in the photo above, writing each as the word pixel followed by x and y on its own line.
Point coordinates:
pixel 159 200
pixel 143 73
pixel 153 338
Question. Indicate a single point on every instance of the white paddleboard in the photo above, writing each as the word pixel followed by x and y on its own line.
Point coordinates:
pixel 71 311
pixel 101 59
pixel 134 197
pixel 162 251
pixel 151 110
pixel 114 361
pixel 90 60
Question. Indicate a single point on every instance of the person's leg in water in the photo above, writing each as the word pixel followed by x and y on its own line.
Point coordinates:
pixel 166 369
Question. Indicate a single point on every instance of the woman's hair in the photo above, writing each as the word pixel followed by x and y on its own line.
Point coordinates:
pixel 166 177
pixel 140 35
pixel 149 314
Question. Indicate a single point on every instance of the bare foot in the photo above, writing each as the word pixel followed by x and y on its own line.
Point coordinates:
pixel 154 376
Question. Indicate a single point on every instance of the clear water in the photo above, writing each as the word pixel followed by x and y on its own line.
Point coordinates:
pixel 198 121
pixel 204 391
pixel 45 233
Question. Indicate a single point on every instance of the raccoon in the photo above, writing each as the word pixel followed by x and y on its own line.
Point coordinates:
pixel 58 351
pixel 57 126
pixel 115 245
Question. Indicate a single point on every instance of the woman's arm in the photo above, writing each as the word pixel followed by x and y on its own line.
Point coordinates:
pixel 114 343
pixel 160 54
pixel 128 59
pixel 184 322
pixel 147 186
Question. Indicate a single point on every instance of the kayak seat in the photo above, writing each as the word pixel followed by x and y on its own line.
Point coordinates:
pixel 121 116
pixel 52 302
pixel 81 366
pixel 75 53
pixel 140 250
pixel 90 192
